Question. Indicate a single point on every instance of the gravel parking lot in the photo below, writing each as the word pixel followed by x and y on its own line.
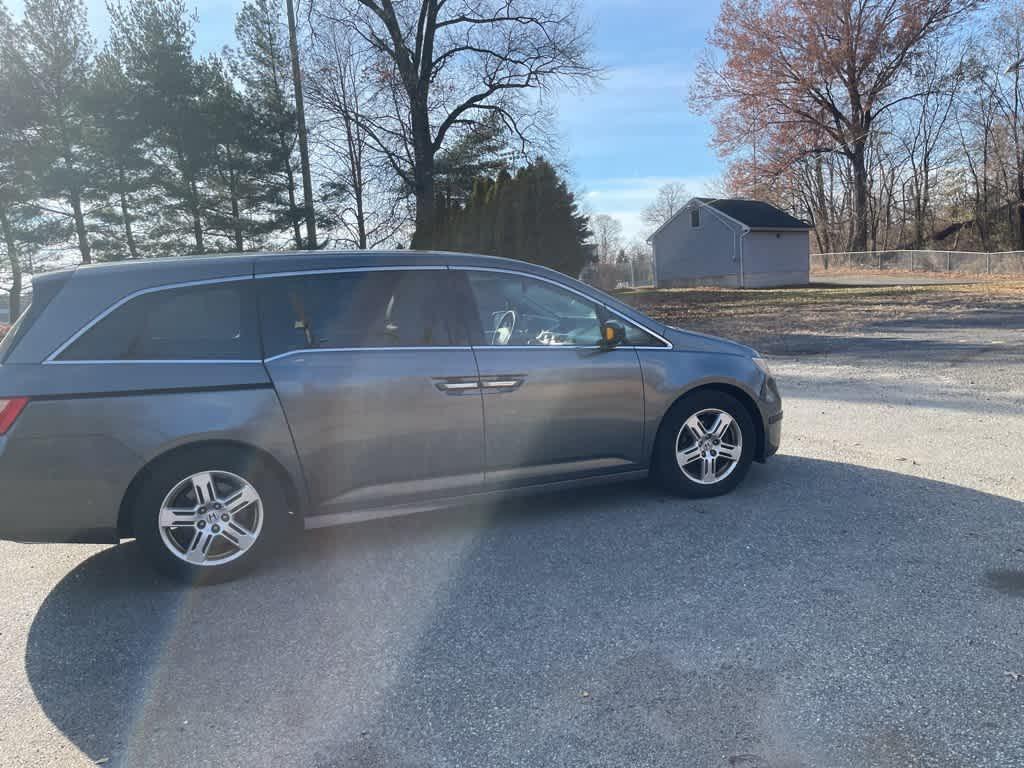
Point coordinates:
pixel 858 602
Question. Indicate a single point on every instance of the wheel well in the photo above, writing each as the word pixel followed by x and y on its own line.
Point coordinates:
pixel 746 400
pixel 124 515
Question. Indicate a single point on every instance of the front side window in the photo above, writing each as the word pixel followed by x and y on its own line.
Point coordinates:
pixel 515 310
pixel 207 322
pixel 354 310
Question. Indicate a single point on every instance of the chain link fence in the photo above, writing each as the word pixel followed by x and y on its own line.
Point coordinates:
pixel 967 262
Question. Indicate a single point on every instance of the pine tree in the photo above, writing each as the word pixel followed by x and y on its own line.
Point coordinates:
pixel 262 64
pixel 52 69
pixel 122 169
pixel 531 217
pixel 154 39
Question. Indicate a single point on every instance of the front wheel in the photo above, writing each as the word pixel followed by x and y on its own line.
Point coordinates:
pixel 705 445
pixel 206 516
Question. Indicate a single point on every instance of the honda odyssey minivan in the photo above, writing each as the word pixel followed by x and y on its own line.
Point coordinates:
pixel 208 405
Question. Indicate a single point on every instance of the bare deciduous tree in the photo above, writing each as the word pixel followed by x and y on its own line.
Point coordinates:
pixel 826 70
pixel 373 208
pixel 671 197
pixel 451 62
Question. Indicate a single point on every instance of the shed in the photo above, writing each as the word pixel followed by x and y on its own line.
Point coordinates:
pixel 731 242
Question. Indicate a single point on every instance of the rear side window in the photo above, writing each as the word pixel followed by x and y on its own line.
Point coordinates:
pixel 209 322
pixel 355 310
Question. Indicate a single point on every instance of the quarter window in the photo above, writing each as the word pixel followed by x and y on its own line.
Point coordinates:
pixel 353 310
pixel 695 217
pixel 210 322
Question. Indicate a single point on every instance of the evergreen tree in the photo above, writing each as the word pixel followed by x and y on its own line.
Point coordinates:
pixel 52 71
pixel 531 217
pixel 122 169
pixel 154 40
pixel 262 64
pixel 235 188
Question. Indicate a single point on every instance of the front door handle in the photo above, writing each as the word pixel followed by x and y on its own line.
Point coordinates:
pixel 506 383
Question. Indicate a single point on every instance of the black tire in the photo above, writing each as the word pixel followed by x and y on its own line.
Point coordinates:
pixel 167 474
pixel 664 462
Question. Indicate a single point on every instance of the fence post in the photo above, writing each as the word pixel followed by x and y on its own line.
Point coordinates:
pixel 912 261
pixel 949 261
pixel 879 261
pixel 988 259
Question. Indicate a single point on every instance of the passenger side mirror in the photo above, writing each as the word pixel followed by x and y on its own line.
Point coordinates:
pixel 613 333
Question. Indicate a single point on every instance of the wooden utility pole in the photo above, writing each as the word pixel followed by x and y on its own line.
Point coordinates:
pixel 300 116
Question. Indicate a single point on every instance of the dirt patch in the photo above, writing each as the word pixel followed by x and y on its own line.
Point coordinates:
pixel 767 318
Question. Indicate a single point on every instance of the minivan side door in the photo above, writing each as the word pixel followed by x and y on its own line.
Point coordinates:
pixel 379 387
pixel 557 406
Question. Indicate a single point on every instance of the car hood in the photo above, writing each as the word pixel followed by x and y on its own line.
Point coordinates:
pixel 691 341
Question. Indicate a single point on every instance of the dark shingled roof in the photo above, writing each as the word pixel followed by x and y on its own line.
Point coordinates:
pixel 754 213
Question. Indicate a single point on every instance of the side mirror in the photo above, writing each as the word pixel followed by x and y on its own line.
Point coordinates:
pixel 613 333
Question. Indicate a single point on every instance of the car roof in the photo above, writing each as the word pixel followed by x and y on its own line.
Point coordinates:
pixel 301 261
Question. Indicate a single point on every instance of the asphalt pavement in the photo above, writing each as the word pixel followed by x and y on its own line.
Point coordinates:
pixel 858 602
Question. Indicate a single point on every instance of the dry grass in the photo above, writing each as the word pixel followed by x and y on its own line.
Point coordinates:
pixel 755 316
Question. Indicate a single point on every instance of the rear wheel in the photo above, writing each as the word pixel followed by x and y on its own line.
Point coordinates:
pixel 705 445
pixel 209 515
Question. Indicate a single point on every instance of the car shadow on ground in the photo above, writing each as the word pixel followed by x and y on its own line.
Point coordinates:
pixel 823 614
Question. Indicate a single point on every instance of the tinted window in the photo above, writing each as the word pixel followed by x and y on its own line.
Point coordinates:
pixel 348 310
pixel 522 311
pixel 195 323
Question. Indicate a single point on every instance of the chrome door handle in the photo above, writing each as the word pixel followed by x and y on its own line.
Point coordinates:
pixel 455 386
pixel 507 383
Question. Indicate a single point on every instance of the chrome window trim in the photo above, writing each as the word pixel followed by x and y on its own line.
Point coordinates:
pixel 52 358
pixel 319 350
pixel 341 270
pixel 631 321
pixel 215 360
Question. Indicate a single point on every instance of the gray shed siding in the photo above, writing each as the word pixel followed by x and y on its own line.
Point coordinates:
pixel 683 253
pixel 776 258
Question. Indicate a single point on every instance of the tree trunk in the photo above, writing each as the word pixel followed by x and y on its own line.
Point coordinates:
pixel 129 236
pixel 15 260
pixel 300 116
pixel 1020 204
pixel 292 207
pixel 236 214
pixel 423 177
pixel 197 216
pixel 860 197
pixel 83 236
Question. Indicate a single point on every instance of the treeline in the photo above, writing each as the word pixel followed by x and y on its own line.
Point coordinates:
pixel 320 125
pixel 887 125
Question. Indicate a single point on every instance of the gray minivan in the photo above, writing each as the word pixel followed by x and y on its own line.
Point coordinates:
pixel 208 405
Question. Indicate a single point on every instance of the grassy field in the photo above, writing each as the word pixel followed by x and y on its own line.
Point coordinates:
pixel 768 317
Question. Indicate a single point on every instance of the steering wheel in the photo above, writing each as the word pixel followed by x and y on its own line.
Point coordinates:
pixel 503 331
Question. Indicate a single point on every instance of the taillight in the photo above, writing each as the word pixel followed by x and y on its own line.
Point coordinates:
pixel 10 409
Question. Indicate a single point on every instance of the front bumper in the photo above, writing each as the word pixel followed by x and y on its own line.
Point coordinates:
pixel 772 434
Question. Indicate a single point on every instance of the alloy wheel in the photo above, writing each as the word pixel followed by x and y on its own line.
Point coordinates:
pixel 709 446
pixel 211 518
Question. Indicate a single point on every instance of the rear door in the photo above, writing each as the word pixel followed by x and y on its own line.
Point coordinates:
pixel 379 388
pixel 557 406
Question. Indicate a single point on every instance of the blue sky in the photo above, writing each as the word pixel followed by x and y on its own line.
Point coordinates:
pixel 621 141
